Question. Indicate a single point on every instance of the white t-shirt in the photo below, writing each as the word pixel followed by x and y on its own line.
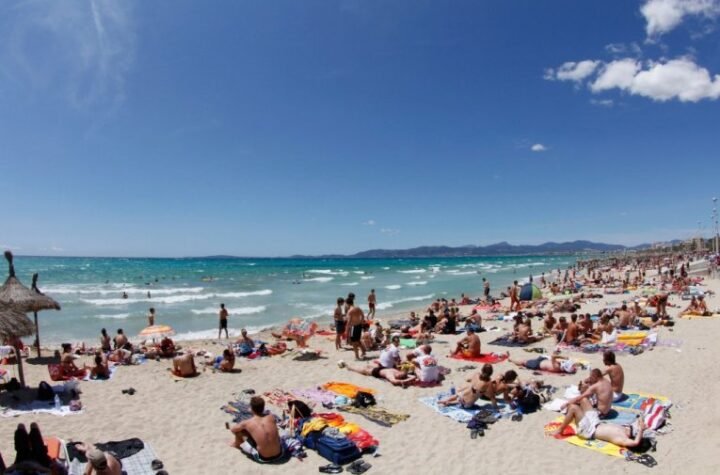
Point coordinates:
pixel 389 356
pixel 429 369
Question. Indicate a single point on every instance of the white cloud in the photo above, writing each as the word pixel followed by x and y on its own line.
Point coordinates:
pixel 369 222
pixel 679 79
pixel 82 50
pixel 572 71
pixel 663 16
pixel 8 247
pixel 624 49
pixel 602 102
pixel 389 231
pixel 538 147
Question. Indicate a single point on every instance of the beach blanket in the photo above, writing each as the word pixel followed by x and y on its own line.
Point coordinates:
pixel 139 463
pixel 112 368
pixel 377 415
pixel 460 414
pixel 614 416
pixel 491 358
pixel 314 396
pixel 698 317
pixel 38 407
pixel 592 444
pixel 506 341
pixel 279 397
pixel 346 389
pixel 637 401
pixel 408 343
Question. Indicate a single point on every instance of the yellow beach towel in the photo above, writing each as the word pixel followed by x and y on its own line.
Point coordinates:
pixel 593 444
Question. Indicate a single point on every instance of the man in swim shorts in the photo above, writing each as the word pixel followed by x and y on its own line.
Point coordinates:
pixel 392 375
pixel 469 346
pixel 616 374
pixel 258 437
pixel 589 426
pixel 223 314
pixel 372 300
pixel 353 332
pixel 596 394
pixel 551 365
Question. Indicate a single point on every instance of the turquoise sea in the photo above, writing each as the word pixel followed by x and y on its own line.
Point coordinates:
pixel 186 293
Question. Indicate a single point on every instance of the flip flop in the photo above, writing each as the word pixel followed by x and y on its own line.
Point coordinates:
pixel 156 465
pixel 358 467
pixel 647 460
pixel 330 468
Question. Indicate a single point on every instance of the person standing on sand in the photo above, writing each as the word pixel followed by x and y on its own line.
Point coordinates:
pixel 223 321
pixel 340 323
pixel 486 288
pixel 353 332
pixel 151 316
pixel 514 296
pixel 372 300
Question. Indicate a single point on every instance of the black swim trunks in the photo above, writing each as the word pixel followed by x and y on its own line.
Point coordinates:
pixel 223 324
pixel 340 326
pixel 375 373
pixel 534 363
pixel 355 333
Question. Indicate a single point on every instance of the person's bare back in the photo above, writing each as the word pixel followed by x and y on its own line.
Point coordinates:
pixel 264 433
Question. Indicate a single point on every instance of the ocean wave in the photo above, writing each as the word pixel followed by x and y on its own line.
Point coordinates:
pixel 413 271
pixel 392 303
pixel 417 282
pixel 177 298
pixel 103 290
pixel 360 272
pixel 319 279
pixel 231 311
pixel 367 277
pixel 327 272
pixel 113 316
pixel 350 284
pixel 393 287
pixel 464 272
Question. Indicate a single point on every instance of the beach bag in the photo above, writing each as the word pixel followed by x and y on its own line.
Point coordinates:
pixel 528 402
pixel 339 451
pixel 655 416
pixel 45 392
pixel 363 399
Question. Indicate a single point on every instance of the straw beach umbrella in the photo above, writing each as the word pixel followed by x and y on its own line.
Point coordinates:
pixel 15 324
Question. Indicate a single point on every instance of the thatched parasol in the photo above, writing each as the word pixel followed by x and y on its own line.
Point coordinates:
pixel 15 324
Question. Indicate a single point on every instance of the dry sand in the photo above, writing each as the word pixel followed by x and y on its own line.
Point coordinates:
pixel 183 421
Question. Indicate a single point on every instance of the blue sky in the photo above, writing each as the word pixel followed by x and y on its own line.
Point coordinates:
pixel 175 128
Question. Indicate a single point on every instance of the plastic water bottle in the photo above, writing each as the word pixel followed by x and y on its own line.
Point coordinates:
pixel 57 402
pixel 452 389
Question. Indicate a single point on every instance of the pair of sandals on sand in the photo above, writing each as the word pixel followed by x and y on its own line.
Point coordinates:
pixel 356 468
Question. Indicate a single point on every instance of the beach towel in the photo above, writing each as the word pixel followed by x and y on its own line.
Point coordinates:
pixel 314 396
pixel 491 358
pixel 139 463
pixel 698 317
pixel 346 389
pixel 637 401
pixel 377 415
pixel 460 414
pixel 408 343
pixel 592 444
pixel 278 397
pixel 506 341
pixel 38 407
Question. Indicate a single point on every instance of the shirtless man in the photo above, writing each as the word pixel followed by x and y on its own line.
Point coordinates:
pixel 468 346
pixel 184 365
pixel 372 300
pixel 624 317
pixel 554 364
pixel 223 314
pixel 523 332
pixel 572 332
pixel 474 320
pixel 339 317
pixel 101 463
pixel 616 374
pixel 151 316
pixel 121 341
pixel 258 437
pixel 480 385
pixel 394 376
pixel 595 385
pixel 514 296
pixel 549 322
pixel 353 332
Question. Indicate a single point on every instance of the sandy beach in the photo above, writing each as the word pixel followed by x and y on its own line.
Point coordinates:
pixel 183 422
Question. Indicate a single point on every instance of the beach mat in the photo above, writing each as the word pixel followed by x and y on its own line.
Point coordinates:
pixel 139 463
pixel 346 389
pixel 38 407
pixel 504 341
pixel 408 343
pixel 592 444
pixel 457 413
pixel 491 358
pixel 699 317
pixel 637 401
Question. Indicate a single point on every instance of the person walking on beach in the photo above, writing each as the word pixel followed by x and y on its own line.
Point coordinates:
pixel 514 296
pixel 353 332
pixel 372 300
pixel 223 321
pixel 486 288
pixel 151 316
pixel 340 323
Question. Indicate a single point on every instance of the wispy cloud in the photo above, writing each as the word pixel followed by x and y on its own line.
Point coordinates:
pixel 82 50
pixel 538 147
pixel 369 222
pixel 390 231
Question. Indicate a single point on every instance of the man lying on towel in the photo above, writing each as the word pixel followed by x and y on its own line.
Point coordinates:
pixel 258 437
pixel 589 426
pixel 469 346
pixel 394 376
pixel 554 364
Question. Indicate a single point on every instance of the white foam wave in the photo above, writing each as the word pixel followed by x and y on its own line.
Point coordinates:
pixel 465 273
pixel 326 272
pixel 392 303
pixel 413 271
pixel 350 284
pixel 113 316
pixel 367 277
pixel 177 298
pixel 359 272
pixel 231 311
pixel 319 279
pixel 103 290
pixel 417 282
pixel 393 287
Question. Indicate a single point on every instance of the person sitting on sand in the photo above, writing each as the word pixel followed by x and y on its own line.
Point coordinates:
pixel 586 325
pixel 554 364
pixel 184 365
pixel 224 363
pixel 549 322
pixel 377 333
pixel 101 369
pixel 102 463
pixel 390 356
pixel 468 347
pixel 599 389
pixel 121 341
pixel 167 347
pixel 523 331
pixel 394 376
pixel 480 385
pixel 366 340
pixel 616 374
pixel 504 384
pixel 572 334
pixel 427 369
pixel 245 344
pixel 625 318
pixel 589 426
pixel 474 321
pixel 67 363
pixel 559 329
pixel 105 341
pixel 258 437
pixel 605 326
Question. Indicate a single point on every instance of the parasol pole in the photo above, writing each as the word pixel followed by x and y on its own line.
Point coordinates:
pixel 37 327
pixel 21 373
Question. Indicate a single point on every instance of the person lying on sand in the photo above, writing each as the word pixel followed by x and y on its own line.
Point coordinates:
pixel 616 374
pixel 258 437
pixel 554 364
pixel 394 376
pixel 589 427
pixel 481 384
pixel 120 356
pixel 184 365
pixel 469 346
